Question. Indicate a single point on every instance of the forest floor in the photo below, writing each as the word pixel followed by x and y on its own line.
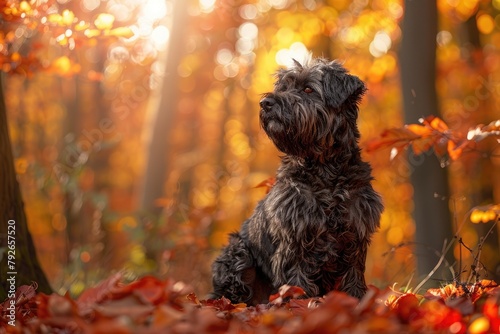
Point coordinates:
pixel 151 305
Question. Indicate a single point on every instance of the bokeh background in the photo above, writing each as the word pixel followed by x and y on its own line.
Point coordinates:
pixel 139 149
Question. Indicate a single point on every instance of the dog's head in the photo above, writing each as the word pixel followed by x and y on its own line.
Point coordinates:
pixel 313 109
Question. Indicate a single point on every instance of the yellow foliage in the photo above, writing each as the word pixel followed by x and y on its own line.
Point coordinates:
pixel 104 21
pixel 137 255
pixel 67 18
pixel 485 23
pixel 64 66
pixel 77 287
pixel 82 25
pixel 124 32
pixel 479 325
pixel 54 18
pixel 395 235
pixel 24 6
pixel 89 33
pixel 485 214
pixel 21 165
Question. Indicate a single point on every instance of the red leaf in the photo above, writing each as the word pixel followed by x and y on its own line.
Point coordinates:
pixel 302 306
pixel 25 293
pixel 222 304
pixel 491 309
pixel 61 306
pixel 150 291
pixel 98 293
pixel 128 306
pixel 437 316
pixel 406 306
pixel 286 291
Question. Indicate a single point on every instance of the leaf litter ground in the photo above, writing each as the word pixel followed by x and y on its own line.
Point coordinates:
pixel 152 305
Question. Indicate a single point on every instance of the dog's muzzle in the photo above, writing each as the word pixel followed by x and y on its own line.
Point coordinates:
pixel 267 103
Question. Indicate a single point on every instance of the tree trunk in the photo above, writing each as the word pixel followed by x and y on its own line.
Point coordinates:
pixel 14 233
pixel 430 181
pixel 156 164
pixel 483 169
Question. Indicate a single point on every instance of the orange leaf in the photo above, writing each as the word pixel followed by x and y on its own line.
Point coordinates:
pixel 435 123
pixel 268 184
pixel 399 137
pixel 423 144
pixel 445 292
pixel 454 150
pixel 441 147
pixel 419 130
pixel 15 57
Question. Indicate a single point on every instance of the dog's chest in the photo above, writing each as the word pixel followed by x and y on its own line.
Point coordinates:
pixel 326 187
pixel 318 198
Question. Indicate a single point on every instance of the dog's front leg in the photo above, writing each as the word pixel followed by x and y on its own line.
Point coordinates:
pixel 292 266
pixel 353 282
pixel 300 237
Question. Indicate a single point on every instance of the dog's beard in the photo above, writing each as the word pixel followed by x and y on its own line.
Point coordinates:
pixel 302 128
pixel 278 132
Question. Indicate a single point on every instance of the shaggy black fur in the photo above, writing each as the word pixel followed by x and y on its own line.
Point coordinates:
pixel 314 226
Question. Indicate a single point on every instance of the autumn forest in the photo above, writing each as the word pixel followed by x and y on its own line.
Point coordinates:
pixel 131 146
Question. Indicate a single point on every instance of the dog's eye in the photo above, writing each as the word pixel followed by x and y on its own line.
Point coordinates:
pixel 308 90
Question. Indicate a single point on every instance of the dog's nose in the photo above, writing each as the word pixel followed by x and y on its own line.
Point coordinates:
pixel 267 103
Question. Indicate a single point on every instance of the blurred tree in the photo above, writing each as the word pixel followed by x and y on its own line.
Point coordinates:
pixel 161 123
pixel 27 26
pixel 430 182
pixel 25 262
pixel 482 190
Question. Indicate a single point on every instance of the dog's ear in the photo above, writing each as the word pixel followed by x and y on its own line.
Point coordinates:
pixel 339 87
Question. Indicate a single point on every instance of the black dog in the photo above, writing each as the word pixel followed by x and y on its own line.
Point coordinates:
pixel 313 228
